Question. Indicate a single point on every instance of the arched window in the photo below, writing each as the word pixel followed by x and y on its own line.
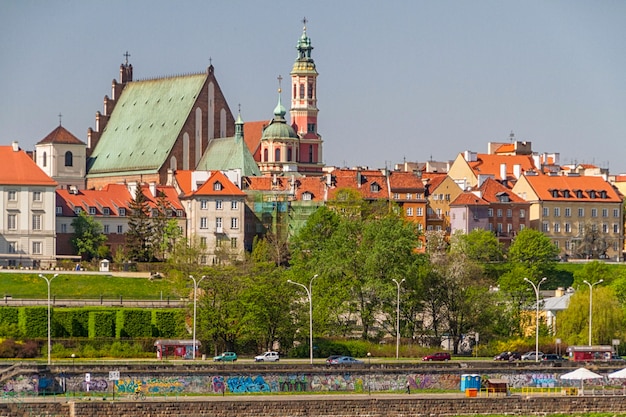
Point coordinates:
pixel 277 155
pixel 69 159
pixel 289 159
pixel 44 160
pixel 265 155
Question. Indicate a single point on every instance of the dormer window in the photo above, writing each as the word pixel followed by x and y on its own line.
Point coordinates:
pixel 106 211
pixel 77 210
pixel 503 198
pixel 307 196
pixel 603 194
pixel 374 187
pixel 217 186
pixel 122 212
pixel 592 193
pixel 566 193
pixel 554 193
pixel 579 193
pixel 92 211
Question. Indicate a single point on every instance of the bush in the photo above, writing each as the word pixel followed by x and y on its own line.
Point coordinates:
pixel 28 349
pixel 8 349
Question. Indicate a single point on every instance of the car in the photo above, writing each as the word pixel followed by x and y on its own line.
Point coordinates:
pixel 332 358
pixel 345 360
pixel 530 356
pixel 553 357
pixel 226 357
pixel 439 356
pixel 268 357
pixel 616 358
pixel 507 356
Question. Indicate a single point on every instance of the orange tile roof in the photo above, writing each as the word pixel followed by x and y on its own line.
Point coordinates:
pixel 467 198
pixel 348 178
pixel 17 168
pixel 506 148
pixel 434 180
pixel 544 185
pixel 401 181
pixel 252 133
pixel 490 164
pixel 113 197
pixel 183 178
pixel 61 135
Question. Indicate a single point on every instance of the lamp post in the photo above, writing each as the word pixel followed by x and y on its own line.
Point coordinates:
pixel 308 293
pixel 195 297
pixel 48 280
pixel 591 304
pixel 398 317
pixel 536 288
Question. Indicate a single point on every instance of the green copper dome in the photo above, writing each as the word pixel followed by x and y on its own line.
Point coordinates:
pixel 278 128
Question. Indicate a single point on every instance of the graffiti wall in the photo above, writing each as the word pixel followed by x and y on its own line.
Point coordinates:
pixel 270 382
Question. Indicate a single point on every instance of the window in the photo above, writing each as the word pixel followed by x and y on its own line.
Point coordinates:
pixel 310 153
pixel 63 228
pixel 277 155
pixel 605 228
pixel 435 197
pixel 594 212
pixel 106 211
pixel 36 195
pixel 77 210
pixel 447 197
pixel 203 259
pixel 420 227
pixel 307 196
pixel 36 248
pixel 522 213
pixel 12 247
pixel 439 212
pixel 441 197
pixel 581 212
pixel 106 229
pixel 409 211
pixel 218 224
pixel 234 223
pixel 234 205
pixel 44 159
pixel 499 228
pixel 122 212
pixel 546 212
pixel 301 90
pixel 59 210
pixel 522 227
pixel 409 195
pixel 568 245
pixel 12 195
pixel 557 227
pixel 568 228
pixel 490 212
pixel 92 210
pixel 203 242
pixel 509 213
pixel 310 90
pixel 509 228
pixel 568 212
pixel 203 204
pixel 605 212
pixel 615 212
pixel 120 229
pixel 545 227
pixel 374 187
pixel 203 223
pixel 179 213
pixel 233 242
pixel 419 211
pixel 396 196
pixel 615 228
pixel 69 159
pixel 438 228
pixel 499 212
pixel 36 221
pixel 557 212
pixel 217 186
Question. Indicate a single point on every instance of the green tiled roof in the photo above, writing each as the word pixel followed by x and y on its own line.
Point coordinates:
pixel 229 153
pixel 144 124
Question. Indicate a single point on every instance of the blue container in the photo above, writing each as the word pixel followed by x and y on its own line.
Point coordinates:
pixel 470 381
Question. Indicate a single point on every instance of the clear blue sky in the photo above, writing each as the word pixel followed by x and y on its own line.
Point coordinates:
pixel 398 79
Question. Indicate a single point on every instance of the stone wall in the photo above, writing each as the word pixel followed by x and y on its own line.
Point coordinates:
pixel 319 406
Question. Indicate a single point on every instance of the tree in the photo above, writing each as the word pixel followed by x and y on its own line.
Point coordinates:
pixel 478 245
pixel 139 233
pixel 534 251
pixel 88 237
pixel 592 244
pixel 593 272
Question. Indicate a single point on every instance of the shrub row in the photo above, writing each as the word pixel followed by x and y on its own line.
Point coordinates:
pixel 32 322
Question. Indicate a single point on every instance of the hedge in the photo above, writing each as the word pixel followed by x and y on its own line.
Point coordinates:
pixel 33 321
pixel 8 315
pixel 133 322
pixel 169 324
pixel 102 323
pixel 71 322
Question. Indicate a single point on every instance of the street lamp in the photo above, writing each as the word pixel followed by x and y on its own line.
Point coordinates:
pixel 195 296
pixel 48 280
pixel 308 293
pixel 591 304
pixel 398 317
pixel 536 288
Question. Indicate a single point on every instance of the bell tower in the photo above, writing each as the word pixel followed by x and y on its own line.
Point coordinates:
pixel 304 106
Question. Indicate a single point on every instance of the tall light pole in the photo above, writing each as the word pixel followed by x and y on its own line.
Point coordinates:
pixel 195 297
pixel 398 317
pixel 308 293
pixel 591 304
pixel 48 280
pixel 536 288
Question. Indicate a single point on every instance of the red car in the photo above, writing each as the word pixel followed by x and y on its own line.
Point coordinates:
pixel 439 356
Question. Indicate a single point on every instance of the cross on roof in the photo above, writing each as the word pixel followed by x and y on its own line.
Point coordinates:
pixel 60 116
pixel 304 21
pixel 127 55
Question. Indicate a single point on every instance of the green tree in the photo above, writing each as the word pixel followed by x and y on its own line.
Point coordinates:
pixel 534 251
pixel 593 272
pixel 592 244
pixel 608 318
pixel 139 233
pixel 88 238
pixel 478 245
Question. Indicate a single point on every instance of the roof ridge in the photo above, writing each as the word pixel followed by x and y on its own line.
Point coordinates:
pixel 165 77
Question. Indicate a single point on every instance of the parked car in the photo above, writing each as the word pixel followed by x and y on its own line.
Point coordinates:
pixel 553 357
pixel 345 360
pixel 226 357
pixel 530 356
pixel 507 356
pixel 439 356
pixel 331 358
pixel 616 358
pixel 267 357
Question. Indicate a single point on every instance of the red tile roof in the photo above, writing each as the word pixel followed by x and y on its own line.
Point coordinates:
pixel 491 188
pixel 490 164
pixel 184 178
pixel 61 135
pixel 17 168
pixel 467 198
pixel 252 133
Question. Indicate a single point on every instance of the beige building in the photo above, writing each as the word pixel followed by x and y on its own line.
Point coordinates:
pixel 582 215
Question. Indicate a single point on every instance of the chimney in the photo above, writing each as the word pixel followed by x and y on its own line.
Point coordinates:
pixel 153 189
pixel 559 292
pixel 517 171
pixel 15 146
pixel 503 171
pixel 170 177
pixel 132 188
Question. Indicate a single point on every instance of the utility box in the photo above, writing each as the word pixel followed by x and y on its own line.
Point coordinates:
pixel 104 265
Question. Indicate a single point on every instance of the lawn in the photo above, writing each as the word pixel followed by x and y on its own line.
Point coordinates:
pixel 71 286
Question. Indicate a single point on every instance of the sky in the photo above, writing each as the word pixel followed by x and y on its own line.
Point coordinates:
pixel 398 80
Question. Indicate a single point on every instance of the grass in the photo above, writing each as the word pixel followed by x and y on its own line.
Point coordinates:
pixel 75 286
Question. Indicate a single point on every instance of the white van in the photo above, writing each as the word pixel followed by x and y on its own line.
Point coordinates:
pixel 267 357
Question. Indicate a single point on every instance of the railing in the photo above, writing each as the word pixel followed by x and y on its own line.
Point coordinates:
pixel 56 302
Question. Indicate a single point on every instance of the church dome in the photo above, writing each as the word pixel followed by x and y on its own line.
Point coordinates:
pixel 278 127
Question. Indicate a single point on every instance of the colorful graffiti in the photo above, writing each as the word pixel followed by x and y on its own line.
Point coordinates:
pixel 246 384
